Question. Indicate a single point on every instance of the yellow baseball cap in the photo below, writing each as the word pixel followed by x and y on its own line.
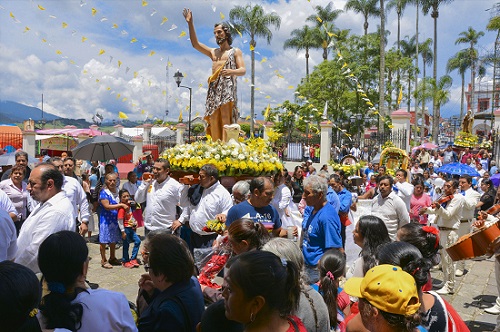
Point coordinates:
pixel 388 288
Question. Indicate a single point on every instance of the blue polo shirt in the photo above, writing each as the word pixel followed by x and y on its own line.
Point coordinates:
pixel 345 197
pixel 266 214
pixel 333 198
pixel 321 232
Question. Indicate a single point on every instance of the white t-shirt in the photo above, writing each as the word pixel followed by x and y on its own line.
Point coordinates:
pixel 103 310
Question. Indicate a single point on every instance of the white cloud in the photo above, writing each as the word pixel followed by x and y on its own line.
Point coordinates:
pixel 31 66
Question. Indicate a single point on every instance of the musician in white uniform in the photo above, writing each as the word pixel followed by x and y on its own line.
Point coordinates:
pixel 448 215
pixel 471 198
pixel 488 220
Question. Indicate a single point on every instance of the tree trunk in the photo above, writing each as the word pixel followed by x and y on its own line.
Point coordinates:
pixel 422 111
pixel 307 64
pixel 435 108
pixel 462 75
pixel 381 87
pixel 416 77
pixel 252 90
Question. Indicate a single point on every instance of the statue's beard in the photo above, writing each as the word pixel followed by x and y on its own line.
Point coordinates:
pixel 220 41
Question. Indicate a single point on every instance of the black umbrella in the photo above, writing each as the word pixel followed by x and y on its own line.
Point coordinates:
pixel 104 147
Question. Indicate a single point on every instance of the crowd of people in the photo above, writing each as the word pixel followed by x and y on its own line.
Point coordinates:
pixel 286 234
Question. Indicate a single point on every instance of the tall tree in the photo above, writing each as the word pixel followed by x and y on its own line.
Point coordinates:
pixel 471 37
pixel 400 6
pixel 409 49
pixel 255 22
pixel 381 86
pixel 461 63
pixel 427 59
pixel 427 6
pixel 302 39
pixel 365 7
pixel 494 25
pixel 323 19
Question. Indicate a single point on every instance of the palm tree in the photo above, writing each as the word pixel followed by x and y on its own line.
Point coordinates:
pixel 381 84
pixel 471 37
pixel 302 39
pixel 366 7
pixel 400 6
pixel 255 22
pixel 326 17
pixel 408 49
pixel 427 5
pixel 460 62
pixel 427 58
pixel 441 91
pixel 494 25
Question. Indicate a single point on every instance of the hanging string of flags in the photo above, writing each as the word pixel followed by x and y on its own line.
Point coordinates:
pixel 162 20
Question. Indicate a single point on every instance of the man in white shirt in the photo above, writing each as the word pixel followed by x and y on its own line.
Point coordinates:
pixel 53 214
pixel 471 198
pixel 7 205
pixel 389 207
pixel 403 188
pixel 213 199
pixel 448 215
pixel 162 196
pixel 355 151
pixel 8 237
pixel 74 191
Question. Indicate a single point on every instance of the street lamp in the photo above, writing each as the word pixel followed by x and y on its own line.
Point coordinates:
pixel 178 79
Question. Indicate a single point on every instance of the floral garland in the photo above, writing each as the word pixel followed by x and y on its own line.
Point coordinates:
pixel 486 145
pixel 253 157
pixel 388 152
pixel 465 140
pixel 388 144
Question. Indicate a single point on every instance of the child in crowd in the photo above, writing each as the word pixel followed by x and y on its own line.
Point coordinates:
pixel 128 225
pixel 331 268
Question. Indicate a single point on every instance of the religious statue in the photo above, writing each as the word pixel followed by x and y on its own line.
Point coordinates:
pixel 227 63
pixel 468 122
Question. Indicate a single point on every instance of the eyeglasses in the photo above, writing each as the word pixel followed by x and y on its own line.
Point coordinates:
pixel 145 253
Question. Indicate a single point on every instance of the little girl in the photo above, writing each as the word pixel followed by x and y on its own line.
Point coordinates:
pixel 331 268
pixel 128 225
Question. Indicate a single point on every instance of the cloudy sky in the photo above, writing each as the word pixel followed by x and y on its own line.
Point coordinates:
pixel 111 56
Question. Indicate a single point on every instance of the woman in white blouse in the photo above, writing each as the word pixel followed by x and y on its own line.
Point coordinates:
pixel 15 188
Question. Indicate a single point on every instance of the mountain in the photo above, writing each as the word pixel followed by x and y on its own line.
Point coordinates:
pixel 16 112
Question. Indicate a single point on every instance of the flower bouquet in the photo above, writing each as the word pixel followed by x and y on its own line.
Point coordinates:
pixel 252 157
pixel 213 263
pixel 465 140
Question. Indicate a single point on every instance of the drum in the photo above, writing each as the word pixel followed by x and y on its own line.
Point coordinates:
pixel 474 244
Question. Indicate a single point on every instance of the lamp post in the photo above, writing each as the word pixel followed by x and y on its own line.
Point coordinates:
pixel 178 79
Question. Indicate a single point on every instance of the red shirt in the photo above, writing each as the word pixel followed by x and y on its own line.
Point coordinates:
pixel 126 215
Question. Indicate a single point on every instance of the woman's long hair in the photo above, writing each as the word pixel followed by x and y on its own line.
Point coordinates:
pixel 61 259
pixel 374 233
pixel 331 267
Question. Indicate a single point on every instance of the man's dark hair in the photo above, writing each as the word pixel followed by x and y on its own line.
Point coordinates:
pixel 229 38
pixel 49 171
pixel 211 170
pixel 165 162
pixel 467 177
pixel 259 183
pixel 405 173
pixel 386 177
pixel 70 158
